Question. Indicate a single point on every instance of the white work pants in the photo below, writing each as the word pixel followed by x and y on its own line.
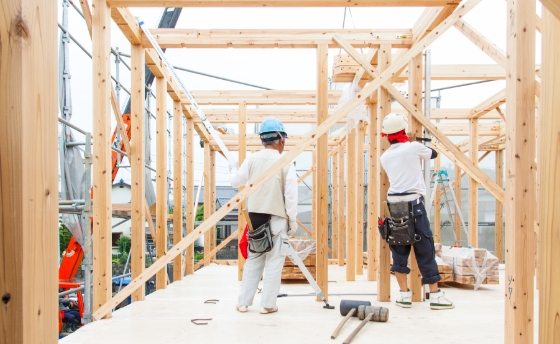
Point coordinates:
pixel 271 262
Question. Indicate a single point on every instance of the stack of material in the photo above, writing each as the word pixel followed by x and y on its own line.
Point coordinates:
pixel 307 252
pixel 467 265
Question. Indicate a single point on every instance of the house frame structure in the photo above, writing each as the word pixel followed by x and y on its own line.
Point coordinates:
pixel 28 310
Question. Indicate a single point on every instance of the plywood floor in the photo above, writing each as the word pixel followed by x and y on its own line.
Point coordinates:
pixel 164 317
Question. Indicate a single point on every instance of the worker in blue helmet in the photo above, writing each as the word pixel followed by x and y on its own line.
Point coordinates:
pixel 275 202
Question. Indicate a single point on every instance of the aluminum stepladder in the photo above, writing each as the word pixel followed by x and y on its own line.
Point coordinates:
pixel 441 184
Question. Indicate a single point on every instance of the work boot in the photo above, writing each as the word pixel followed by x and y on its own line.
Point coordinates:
pixel 438 301
pixel 405 301
pixel 268 310
pixel 242 309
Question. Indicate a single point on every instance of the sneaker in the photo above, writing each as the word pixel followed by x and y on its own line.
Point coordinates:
pixel 438 301
pixel 405 301
pixel 242 309
pixel 268 310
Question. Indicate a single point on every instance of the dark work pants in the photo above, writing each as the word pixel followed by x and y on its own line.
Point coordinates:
pixel 424 249
pixel 72 316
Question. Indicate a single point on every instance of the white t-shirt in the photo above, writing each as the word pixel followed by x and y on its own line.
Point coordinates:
pixel 402 162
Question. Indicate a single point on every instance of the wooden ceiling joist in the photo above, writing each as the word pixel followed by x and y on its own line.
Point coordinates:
pixel 260 97
pixel 429 19
pixel 489 104
pixel 301 38
pixel 280 3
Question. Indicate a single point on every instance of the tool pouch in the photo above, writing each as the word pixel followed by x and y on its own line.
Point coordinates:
pixel 398 229
pixel 260 239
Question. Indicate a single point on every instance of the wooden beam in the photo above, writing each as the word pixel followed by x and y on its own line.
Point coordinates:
pixel 373 195
pixel 161 178
pixel 322 170
pixel 276 38
pixel 127 23
pixel 429 19
pixel 359 203
pixel 334 206
pixel 190 212
pixel 242 222
pixel 383 108
pixel 28 172
pixel 102 158
pixel 473 186
pixel 520 164
pixel 549 171
pixel 351 189
pixel 260 97
pixel 437 204
pixel 287 158
pixel 278 3
pixel 458 197
pixel 489 104
pixel 499 218
pixel 482 42
pixel 340 205
pixel 314 188
pixel 177 187
pixel 552 6
pixel 86 11
pixel 219 247
pixel 208 162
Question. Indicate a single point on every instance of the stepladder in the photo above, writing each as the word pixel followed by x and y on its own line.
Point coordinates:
pixel 443 189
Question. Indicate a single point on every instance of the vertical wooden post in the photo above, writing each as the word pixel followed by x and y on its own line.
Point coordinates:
pixel 138 175
pixel 161 177
pixel 520 161
pixel 473 185
pixel 322 170
pixel 351 189
pixel 189 202
pixel 314 188
pixel 415 78
pixel 499 218
pixel 177 187
pixel 373 193
pixel 101 44
pixel 213 203
pixel 207 200
pixel 458 195
pixel 360 135
pixel 28 172
pixel 549 170
pixel 341 207
pixel 334 206
pixel 242 151
pixel 437 204
pixel 383 109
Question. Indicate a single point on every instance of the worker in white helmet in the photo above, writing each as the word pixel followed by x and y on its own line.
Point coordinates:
pixel 276 201
pixel 402 162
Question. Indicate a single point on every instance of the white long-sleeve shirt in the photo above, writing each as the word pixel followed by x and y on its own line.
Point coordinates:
pixel 276 197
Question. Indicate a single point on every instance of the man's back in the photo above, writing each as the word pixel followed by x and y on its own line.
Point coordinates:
pixel 402 162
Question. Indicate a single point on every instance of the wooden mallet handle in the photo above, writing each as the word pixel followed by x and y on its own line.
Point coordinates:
pixel 339 327
pixel 355 332
pixel 248 219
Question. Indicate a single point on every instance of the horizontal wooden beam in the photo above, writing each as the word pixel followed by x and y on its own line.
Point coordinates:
pixel 304 38
pixel 260 97
pixel 280 3
pixel 429 19
pixel 489 104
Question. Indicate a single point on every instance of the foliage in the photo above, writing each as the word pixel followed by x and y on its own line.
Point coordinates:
pixel 64 235
pixel 199 214
pixel 198 256
pixel 123 247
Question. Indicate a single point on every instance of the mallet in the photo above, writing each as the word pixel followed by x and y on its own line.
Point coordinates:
pixel 366 314
pixel 348 309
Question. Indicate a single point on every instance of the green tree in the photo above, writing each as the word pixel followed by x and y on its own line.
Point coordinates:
pixel 64 235
pixel 199 214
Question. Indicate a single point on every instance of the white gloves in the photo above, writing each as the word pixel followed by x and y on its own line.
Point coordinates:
pixel 233 165
pixel 292 227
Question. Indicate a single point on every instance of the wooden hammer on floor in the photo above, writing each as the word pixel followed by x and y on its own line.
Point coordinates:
pixel 367 314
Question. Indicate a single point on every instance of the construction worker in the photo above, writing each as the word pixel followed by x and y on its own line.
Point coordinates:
pixel 277 199
pixel 402 162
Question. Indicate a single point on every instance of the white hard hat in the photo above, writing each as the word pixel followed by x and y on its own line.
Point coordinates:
pixel 393 123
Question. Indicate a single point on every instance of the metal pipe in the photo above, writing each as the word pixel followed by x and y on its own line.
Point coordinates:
pixel 220 78
pixel 70 207
pixel 71 201
pixel 70 291
pixel 75 40
pixel 63 121
pixel 72 144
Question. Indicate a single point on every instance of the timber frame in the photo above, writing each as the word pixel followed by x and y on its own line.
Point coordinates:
pixel 487 127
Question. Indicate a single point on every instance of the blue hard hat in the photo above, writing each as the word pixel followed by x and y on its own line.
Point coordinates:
pixel 272 125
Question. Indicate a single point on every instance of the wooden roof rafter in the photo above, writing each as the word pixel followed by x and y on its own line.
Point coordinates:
pixel 280 3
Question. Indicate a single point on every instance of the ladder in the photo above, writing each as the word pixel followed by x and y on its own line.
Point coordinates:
pixel 441 184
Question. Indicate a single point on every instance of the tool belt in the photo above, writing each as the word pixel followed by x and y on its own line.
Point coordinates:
pixel 260 238
pixel 398 229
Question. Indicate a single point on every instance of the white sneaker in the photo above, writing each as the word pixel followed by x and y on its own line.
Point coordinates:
pixel 242 309
pixel 405 301
pixel 268 310
pixel 438 301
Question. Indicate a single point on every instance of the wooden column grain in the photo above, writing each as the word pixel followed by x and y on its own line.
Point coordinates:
pixel 473 185
pixel 383 109
pixel 322 173
pixel 415 79
pixel 458 197
pixel 208 162
pixel 341 206
pixel 190 212
pixel 28 172
pixel 351 189
pixel 373 194
pixel 520 162
pixel 499 214
pixel 242 155
pixel 314 188
pixel 178 187
pixel 213 198
pixel 161 178
pixel 334 206
pixel 549 169
pixel 437 204
pixel 101 76
pixel 360 136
